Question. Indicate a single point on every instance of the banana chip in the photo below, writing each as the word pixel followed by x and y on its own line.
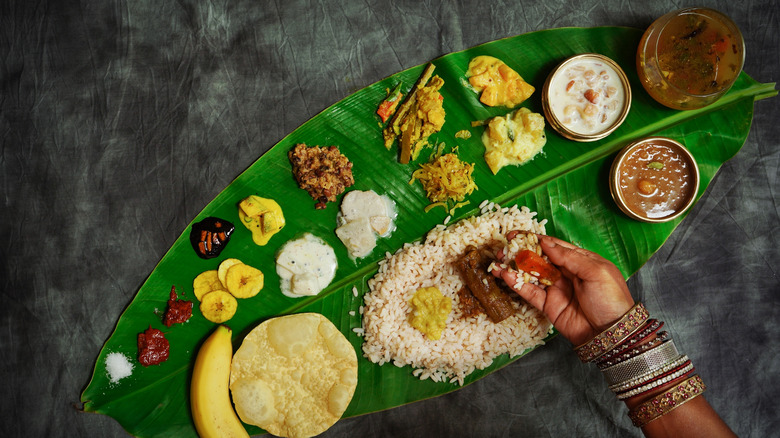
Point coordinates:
pixel 243 281
pixel 294 376
pixel 223 268
pixel 206 282
pixel 217 289
pixel 218 306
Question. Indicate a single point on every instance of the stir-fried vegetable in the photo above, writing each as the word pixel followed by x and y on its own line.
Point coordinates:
pixel 388 106
pixel 447 181
pixel 420 115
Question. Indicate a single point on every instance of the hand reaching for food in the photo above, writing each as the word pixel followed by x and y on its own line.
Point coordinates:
pixel 587 296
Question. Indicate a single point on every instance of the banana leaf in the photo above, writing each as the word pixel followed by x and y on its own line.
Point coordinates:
pixel 566 184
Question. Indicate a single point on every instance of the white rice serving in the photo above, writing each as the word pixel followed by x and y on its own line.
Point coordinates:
pixel 466 344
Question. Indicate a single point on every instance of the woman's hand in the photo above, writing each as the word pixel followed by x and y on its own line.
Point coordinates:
pixel 589 297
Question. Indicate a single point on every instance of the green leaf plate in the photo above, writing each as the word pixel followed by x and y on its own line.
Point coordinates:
pixel 566 184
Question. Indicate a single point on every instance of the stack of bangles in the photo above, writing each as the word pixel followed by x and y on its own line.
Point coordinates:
pixel 636 358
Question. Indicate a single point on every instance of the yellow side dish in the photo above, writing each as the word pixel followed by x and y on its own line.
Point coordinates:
pixel 514 139
pixel 498 83
pixel 447 180
pixel 419 116
pixel 262 216
pixel 430 309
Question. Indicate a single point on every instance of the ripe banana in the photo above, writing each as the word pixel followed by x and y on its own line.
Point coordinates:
pixel 212 410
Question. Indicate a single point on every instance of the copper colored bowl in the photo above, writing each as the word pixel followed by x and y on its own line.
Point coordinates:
pixel 625 194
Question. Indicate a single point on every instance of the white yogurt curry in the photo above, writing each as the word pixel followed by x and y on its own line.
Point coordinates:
pixel 364 215
pixel 305 266
pixel 587 96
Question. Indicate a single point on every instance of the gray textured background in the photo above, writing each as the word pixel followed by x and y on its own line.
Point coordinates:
pixel 120 120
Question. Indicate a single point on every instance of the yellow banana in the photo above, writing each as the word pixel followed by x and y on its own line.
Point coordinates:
pixel 212 410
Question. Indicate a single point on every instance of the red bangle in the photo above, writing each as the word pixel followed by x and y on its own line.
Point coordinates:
pixel 614 356
pixel 668 401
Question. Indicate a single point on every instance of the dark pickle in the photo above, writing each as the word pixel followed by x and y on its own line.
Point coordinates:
pixel 210 236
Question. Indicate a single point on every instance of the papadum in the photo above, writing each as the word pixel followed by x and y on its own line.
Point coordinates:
pixel 294 375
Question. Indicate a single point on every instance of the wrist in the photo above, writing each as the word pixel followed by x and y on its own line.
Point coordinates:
pixel 674 396
pixel 642 366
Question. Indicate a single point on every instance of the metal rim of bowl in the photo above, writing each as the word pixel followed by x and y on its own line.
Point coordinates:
pixel 614 179
pixel 560 127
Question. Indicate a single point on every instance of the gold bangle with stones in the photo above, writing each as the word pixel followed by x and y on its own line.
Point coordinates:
pixel 667 401
pixel 621 330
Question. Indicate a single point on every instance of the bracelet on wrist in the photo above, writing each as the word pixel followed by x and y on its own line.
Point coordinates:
pixel 672 376
pixel 646 362
pixel 647 377
pixel 636 358
pixel 667 401
pixel 625 354
pixel 621 330
pixel 644 332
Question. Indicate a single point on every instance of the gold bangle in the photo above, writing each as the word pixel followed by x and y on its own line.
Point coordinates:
pixel 668 401
pixel 626 326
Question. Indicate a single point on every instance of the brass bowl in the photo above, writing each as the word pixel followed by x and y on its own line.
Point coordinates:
pixel 620 197
pixel 558 124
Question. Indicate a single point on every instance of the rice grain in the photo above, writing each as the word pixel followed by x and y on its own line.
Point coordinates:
pixel 466 344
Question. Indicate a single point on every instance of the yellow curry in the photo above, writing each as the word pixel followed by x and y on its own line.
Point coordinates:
pixel 430 309
pixel 498 83
pixel 262 216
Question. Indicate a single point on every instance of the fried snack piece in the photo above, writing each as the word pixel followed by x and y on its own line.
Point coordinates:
pixel 244 281
pixel 206 282
pixel 223 269
pixel 294 375
pixel 324 172
pixel 218 306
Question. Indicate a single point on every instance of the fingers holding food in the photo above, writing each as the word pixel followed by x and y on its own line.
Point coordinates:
pixel 521 261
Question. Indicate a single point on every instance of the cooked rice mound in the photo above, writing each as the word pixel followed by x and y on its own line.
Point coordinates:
pixel 466 344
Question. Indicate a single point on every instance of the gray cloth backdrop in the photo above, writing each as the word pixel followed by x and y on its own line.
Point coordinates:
pixel 120 120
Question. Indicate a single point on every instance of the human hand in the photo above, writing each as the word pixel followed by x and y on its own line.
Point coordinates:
pixel 588 298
